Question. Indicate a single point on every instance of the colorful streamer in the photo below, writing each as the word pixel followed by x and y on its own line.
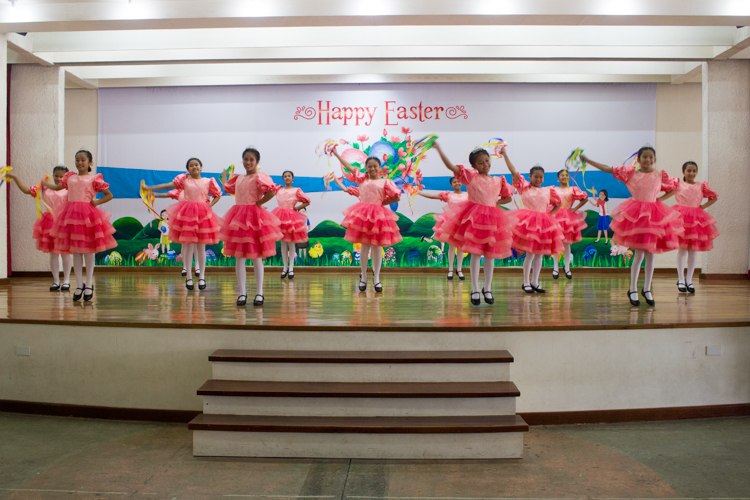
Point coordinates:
pixel 148 198
pixel 3 172
pixel 497 145
pixel 227 174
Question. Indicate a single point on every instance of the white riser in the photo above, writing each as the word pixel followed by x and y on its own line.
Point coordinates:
pixel 369 446
pixel 357 407
pixel 361 372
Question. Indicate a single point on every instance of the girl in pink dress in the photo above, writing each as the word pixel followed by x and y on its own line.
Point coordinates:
pixel 643 223
pixel 54 200
pixel 370 222
pixel 537 232
pixel 293 223
pixel 192 222
pixel 449 197
pixel 570 220
pixel 177 195
pixel 248 230
pixel 81 228
pixel 700 228
pixel 478 226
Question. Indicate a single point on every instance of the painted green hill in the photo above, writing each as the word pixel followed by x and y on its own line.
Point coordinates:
pixel 149 231
pixel 422 226
pixel 126 228
pixel 328 229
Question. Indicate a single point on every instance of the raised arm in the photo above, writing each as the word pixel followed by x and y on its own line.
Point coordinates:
pixel 341 185
pixel 445 159
pixel 427 195
pixel 346 164
pixel 52 186
pixel 600 166
pixel 161 187
pixel 20 184
pixel 510 166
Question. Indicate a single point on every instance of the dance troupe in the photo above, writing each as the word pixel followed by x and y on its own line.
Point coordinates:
pixel 471 222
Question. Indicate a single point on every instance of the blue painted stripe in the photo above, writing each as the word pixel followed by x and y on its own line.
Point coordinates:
pixel 125 182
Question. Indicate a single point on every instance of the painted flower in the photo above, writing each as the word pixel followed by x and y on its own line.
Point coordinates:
pixel 362 138
pixel 406 130
pixel 395 139
pixel 401 152
pixel 385 133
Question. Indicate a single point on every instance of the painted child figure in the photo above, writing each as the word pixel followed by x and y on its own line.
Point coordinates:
pixel 248 230
pixel 700 227
pixel 602 222
pixel 54 201
pixel 537 232
pixel 81 228
pixel 293 223
pixel 192 222
pixel 370 222
pixel 449 197
pixel 570 220
pixel 643 223
pixel 478 226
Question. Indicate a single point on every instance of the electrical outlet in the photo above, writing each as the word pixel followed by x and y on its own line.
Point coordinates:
pixel 713 350
pixel 23 350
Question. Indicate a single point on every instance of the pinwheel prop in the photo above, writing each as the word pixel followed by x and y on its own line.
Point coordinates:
pixel 148 198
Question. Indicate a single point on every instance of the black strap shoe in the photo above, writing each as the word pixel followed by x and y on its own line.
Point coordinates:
pixel 555 275
pixel 201 284
pixel 257 302
pixel 55 287
pixel 477 301
pixel 568 275
pixel 88 296
pixel 291 275
pixel 538 289
pixel 450 276
pixel 378 287
pixel 650 301
pixel 242 300
pixel 65 287
pixel 633 302
pixel 284 274
pixel 189 284
pixel 488 297
pixel 460 275
pixel 362 286
pixel 681 287
pixel 690 288
pixel 527 288
pixel 77 295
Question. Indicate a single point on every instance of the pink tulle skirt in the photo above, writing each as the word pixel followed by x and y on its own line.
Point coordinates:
pixel 82 228
pixel 250 232
pixel 571 223
pixel 193 222
pixel 476 229
pixel 293 224
pixel 700 230
pixel 371 224
pixel 647 225
pixel 537 233
pixel 42 233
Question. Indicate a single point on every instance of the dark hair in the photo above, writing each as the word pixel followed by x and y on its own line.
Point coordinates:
pixel 685 166
pixel 60 168
pixel 88 155
pixel 191 159
pixel 644 149
pixel 454 178
pixel 561 171
pixel 536 168
pixel 255 153
pixel 380 164
pixel 474 155
pixel 287 172
pixel 606 194
pixel 162 211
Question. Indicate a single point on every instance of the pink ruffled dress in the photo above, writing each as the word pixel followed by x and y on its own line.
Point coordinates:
pixel 642 222
pixel 192 220
pixel 369 222
pixel 79 226
pixel 477 225
pixel 43 227
pixel 293 223
pixel 249 231
pixel 571 223
pixel 537 231
pixel 700 230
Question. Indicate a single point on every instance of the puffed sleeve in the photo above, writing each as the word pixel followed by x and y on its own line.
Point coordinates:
pixel 465 175
pixel 444 196
pixel 554 197
pixel 265 183
pixel 579 195
pixel 302 197
pixel 179 181
pixel 64 180
pixel 668 183
pixel 231 185
pixel 174 194
pixel 353 191
pixel 623 174
pixel 359 176
pixel 99 184
pixel 506 190
pixel 33 190
pixel 391 191
pixel 213 188
pixel 521 184
pixel 708 192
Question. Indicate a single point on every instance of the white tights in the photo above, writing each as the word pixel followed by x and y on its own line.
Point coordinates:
pixel 531 276
pixel 199 251
pixel 54 266
pixel 78 263
pixel 635 269
pixel 691 256
pixel 567 258
pixel 377 260
pixel 288 253
pixel 241 272
pixel 459 258
pixel 489 269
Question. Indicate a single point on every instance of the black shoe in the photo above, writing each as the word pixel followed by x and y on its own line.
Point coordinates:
pixel 460 275
pixel 197 272
pixel 681 287
pixel 527 288
pixel 55 287
pixel 491 299
pixel 477 301
pixel 189 284
pixel 284 274
pixel 201 284
pixel 242 300
pixel 183 273
pixel 257 302
pixel 538 289
pixel 555 275
pixel 568 275
pixel 690 288
pixel 291 275
pixel 77 296
pixel 450 276
pixel 650 301
pixel 362 286
pixel 65 287
pixel 378 287
pixel 635 302
pixel 88 296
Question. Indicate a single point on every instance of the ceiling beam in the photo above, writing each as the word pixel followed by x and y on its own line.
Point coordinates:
pixel 23 46
pixel 741 42
pixel 78 81
pixel 693 72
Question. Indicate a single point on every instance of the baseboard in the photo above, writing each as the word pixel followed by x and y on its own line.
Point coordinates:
pixel 718 277
pixel 4 281
pixel 540 418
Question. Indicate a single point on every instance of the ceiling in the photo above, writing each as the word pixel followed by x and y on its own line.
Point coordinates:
pixel 122 43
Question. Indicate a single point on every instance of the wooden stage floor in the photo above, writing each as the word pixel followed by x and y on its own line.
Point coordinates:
pixel 409 302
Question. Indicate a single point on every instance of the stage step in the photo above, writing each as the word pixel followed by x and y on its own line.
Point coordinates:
pixel 362 366
pixel 446 437
pixel 358 399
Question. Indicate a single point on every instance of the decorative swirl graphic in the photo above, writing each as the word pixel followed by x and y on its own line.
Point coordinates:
pixel 456 112
pixel 305 112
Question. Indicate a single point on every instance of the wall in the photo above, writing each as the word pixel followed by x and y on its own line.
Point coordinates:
pixel 81 123
pixel 3 154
